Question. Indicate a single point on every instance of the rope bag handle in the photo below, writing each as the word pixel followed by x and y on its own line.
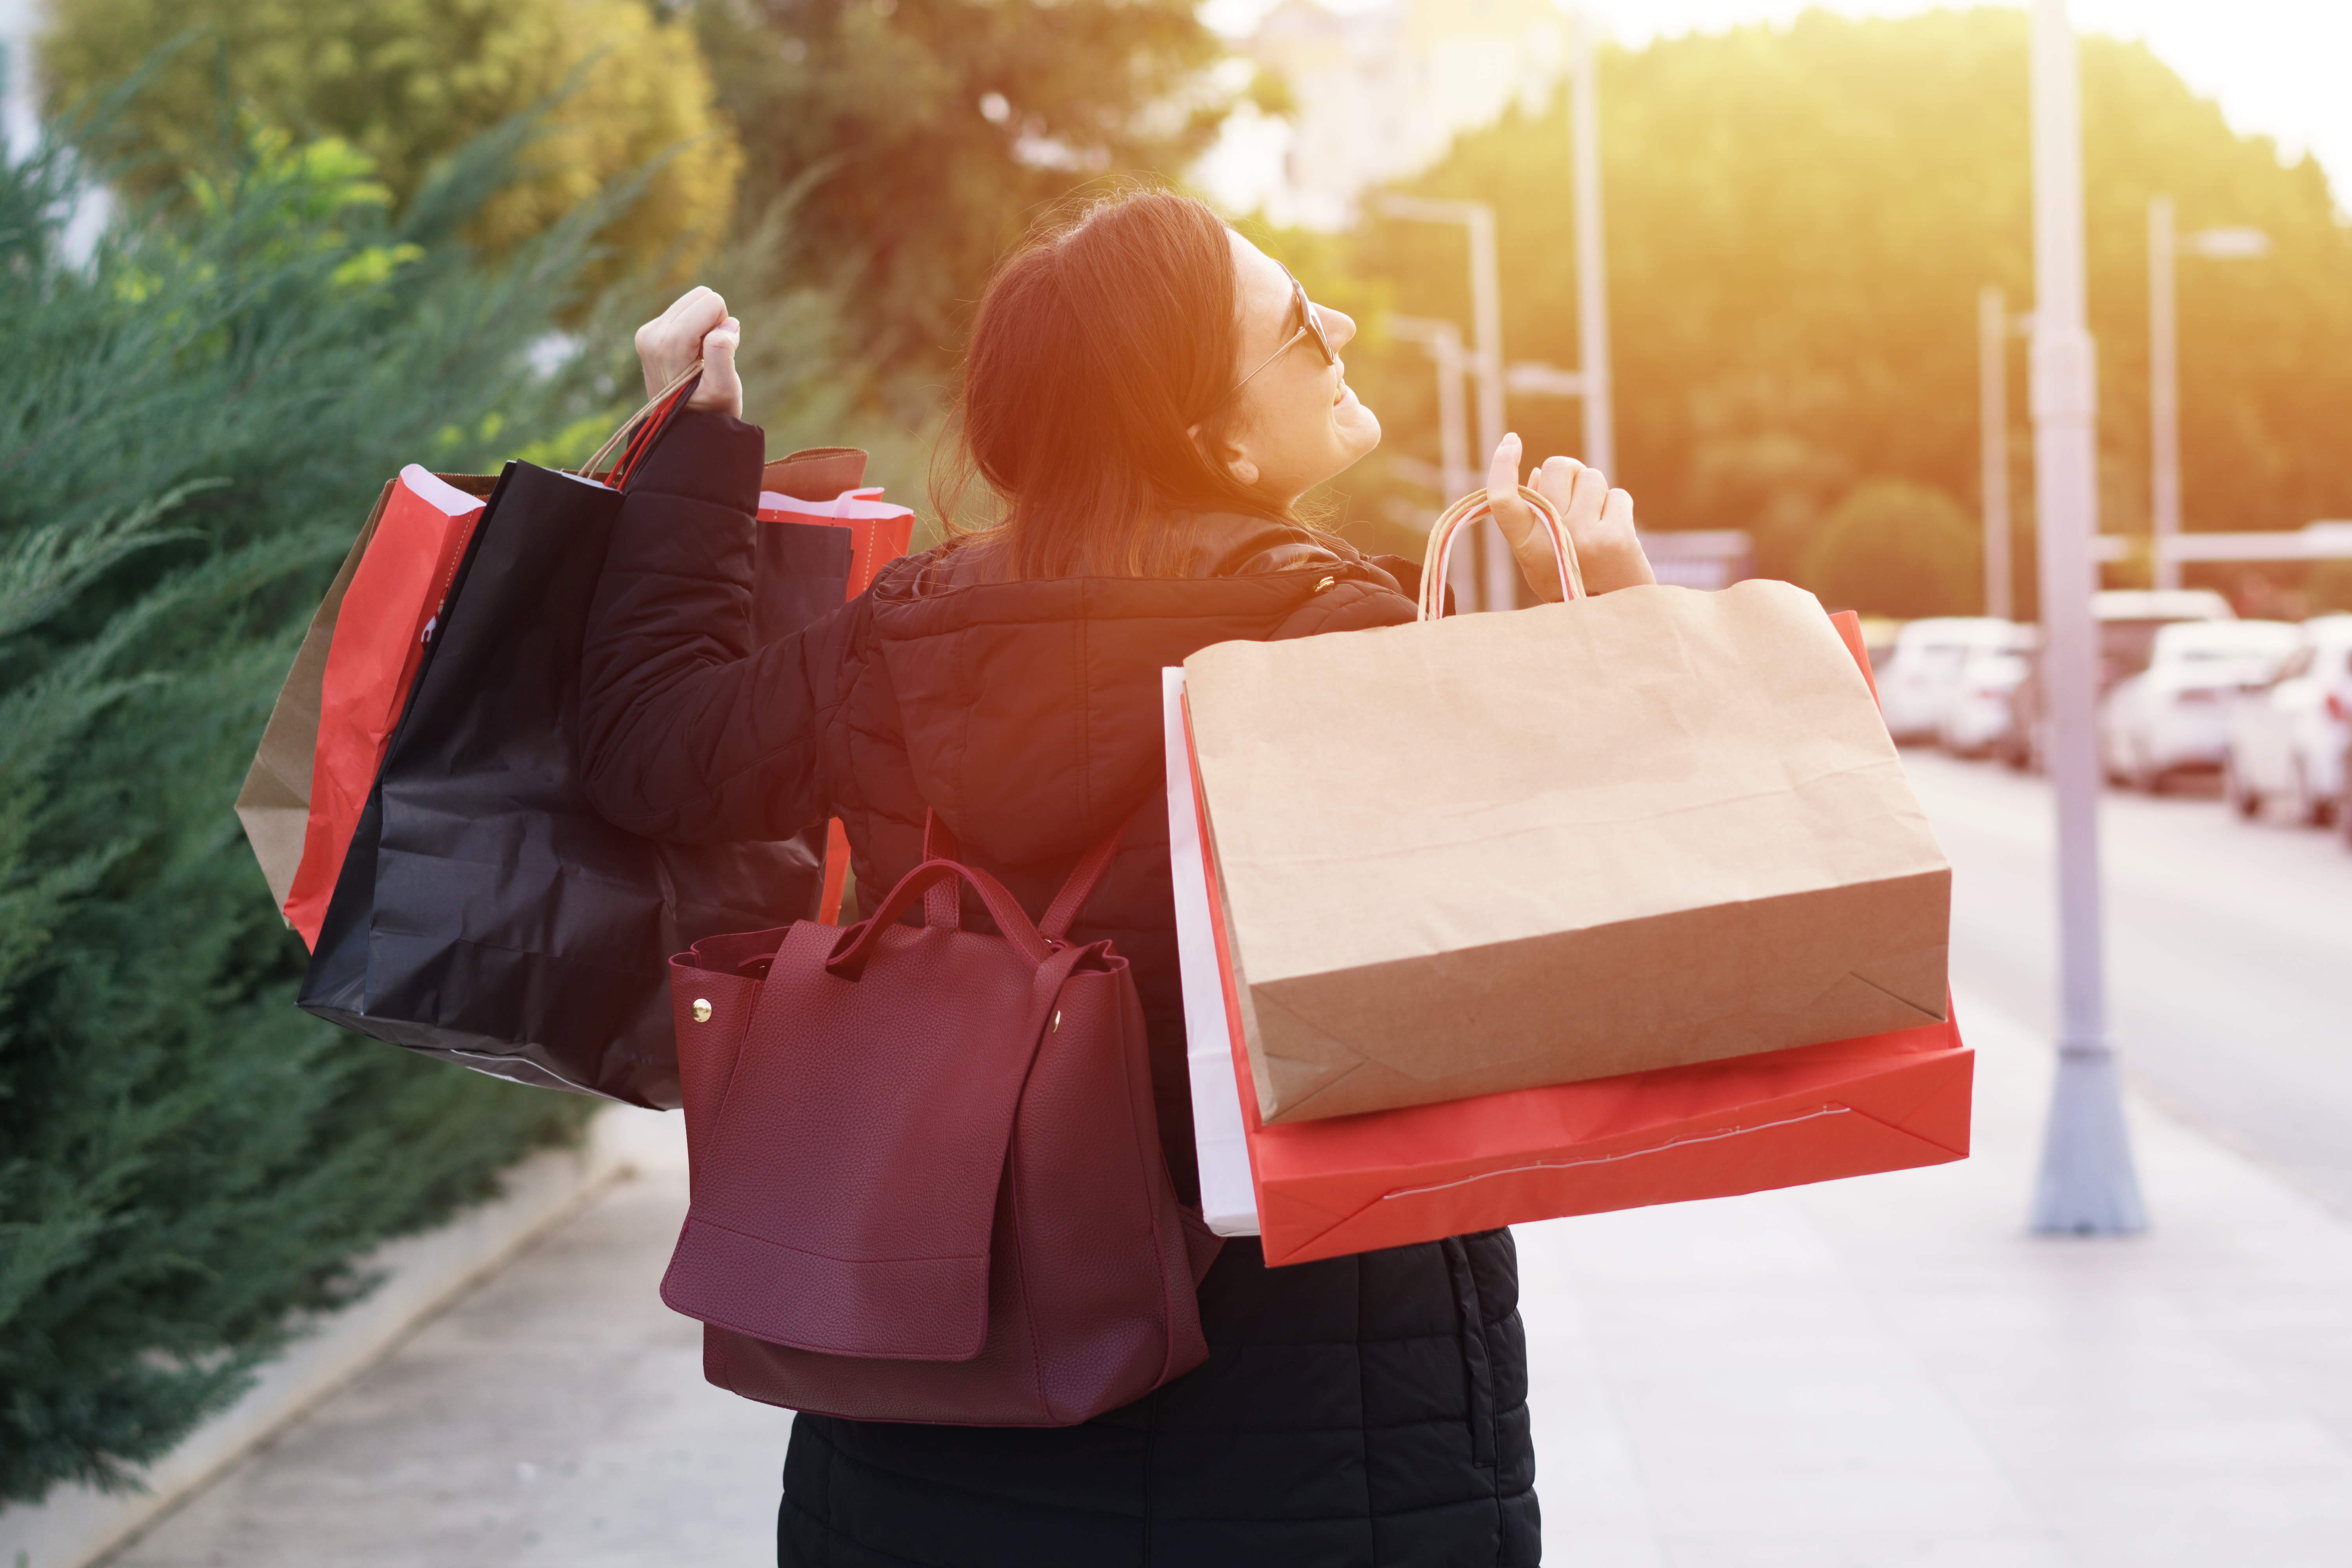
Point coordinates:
pixel 636 434
pixel 1470 509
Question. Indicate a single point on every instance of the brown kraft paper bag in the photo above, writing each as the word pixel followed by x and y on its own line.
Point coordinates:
pixel 1635 831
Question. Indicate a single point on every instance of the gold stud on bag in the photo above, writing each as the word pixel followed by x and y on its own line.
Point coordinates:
pixel 702 1009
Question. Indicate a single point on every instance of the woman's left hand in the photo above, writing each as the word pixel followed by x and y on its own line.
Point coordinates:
pixel 1599 523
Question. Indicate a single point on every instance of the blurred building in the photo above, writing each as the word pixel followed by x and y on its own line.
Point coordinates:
pixel 18 122
pixel 1380 93
pixel 1703 558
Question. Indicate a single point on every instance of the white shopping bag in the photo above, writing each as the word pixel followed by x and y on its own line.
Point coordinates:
pixel 1227 1196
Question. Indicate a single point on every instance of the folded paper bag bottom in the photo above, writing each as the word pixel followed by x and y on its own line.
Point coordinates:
pixel 1810 1114
pixel 1756 1002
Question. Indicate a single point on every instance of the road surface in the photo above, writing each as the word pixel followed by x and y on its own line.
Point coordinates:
pixel 2229 953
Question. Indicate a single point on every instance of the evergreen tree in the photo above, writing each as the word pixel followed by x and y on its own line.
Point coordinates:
pixel 196 417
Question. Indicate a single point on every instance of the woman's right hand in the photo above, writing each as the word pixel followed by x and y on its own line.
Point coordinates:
pixel 1599 523
pixel 695 327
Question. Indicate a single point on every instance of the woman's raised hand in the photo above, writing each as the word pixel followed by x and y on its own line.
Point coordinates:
pixel 1599 523
pixel 696 327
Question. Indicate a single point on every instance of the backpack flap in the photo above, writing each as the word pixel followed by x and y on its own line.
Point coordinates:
pixel 846 1196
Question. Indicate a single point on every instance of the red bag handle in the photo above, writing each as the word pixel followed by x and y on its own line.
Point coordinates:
pixel 941 905
pixel 635 437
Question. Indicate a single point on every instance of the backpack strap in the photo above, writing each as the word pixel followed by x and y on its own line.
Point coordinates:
pixel 943 901
pixel 1063 911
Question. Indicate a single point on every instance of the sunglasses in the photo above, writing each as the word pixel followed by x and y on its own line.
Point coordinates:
pixel 1312 329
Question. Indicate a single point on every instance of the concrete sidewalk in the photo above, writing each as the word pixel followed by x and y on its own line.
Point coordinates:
pixel 1873 1373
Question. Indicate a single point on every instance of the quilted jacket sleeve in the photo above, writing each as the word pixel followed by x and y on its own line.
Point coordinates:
pixel 687 733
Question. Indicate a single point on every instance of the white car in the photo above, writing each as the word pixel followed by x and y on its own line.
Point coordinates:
pixel 1919 677
pixel 1981 712
pixel 2288 742
pixel 2129 620
pixel 2174 716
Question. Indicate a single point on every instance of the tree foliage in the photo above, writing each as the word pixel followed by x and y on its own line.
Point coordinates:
pixel 408 82
pixel 1895 549
pixel 927 133
pixel 196 420
pixel 1799 221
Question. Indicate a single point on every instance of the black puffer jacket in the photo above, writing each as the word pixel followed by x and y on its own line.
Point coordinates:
pixel 1365 1410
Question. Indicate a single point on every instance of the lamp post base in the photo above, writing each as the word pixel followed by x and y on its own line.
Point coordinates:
pixel 2087 1185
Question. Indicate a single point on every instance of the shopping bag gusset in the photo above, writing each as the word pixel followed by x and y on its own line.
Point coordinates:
pixel 387 617
pixel 823 487
pixel 274 802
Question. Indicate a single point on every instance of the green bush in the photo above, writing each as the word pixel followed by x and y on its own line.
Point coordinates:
pixel 1895 548
pixel 196 417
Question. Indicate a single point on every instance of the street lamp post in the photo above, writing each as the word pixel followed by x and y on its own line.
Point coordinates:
pixel 1591 274
pixel 2087 1185
pixel 1443 339
pixel 1995 327
pixel 1455 477
pixel 1993 422
pixel 1497 575
pixel 2164 366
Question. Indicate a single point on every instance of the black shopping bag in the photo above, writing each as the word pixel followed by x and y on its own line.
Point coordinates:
pixel 485 914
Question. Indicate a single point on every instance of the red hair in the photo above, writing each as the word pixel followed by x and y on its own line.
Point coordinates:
pixel 1103 339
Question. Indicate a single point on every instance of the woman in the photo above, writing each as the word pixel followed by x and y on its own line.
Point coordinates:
pixel 1149 396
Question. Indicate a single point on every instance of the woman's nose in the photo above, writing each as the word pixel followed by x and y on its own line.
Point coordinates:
pixel 1338 325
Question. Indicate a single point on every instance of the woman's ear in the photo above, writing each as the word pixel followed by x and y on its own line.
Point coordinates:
pixel 1225 453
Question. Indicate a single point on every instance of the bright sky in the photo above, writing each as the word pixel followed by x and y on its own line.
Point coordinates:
pixel 2278 68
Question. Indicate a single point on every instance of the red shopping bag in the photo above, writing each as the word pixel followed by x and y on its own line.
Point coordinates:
pixel 388 613
pixel 365 645
pixel 1353 1184
pixel 824 485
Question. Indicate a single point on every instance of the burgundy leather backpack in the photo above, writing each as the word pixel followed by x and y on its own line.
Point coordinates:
pixel 927 1175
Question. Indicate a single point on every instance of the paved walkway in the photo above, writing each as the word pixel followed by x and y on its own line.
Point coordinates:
pixel 1876 1372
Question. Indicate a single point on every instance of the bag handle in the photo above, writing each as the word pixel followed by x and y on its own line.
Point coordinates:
pixel 1011 919
pixel 941 908
pixel 637 433
pixel 1470 509
pixel 1063 911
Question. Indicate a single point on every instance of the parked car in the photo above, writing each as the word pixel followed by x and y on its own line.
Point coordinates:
pixel 1918 678
pixel 2344 795
pixel 2129 620
pixel 2174 716
pixel 2287 742
pixel 1980 715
